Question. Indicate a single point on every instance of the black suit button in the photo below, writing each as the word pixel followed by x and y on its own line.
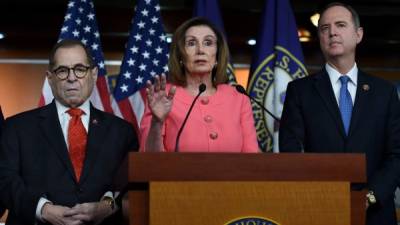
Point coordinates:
pixel 79 190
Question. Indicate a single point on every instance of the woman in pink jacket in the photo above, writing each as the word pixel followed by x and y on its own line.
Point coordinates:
pixel 221 119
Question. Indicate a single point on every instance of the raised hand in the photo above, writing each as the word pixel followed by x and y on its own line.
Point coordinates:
pixel 160 102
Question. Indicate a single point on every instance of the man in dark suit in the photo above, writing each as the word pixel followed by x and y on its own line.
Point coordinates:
pixel 58 162
pixel 342 109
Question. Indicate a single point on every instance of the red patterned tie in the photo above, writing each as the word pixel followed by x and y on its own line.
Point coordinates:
pixel 77 138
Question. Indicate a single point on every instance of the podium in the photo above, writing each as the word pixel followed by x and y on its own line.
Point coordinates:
pixel 221 188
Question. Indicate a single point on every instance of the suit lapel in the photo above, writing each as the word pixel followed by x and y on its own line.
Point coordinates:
pixel 96 136
pixel 324 87
pixel 362 93
pixel 51 128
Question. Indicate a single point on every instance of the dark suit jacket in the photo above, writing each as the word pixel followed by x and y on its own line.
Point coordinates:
pixel 34 161
pixel 311 118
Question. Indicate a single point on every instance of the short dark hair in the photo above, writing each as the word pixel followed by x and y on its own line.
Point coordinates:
pixel 354 14
pixel 177 53
pixel 67 43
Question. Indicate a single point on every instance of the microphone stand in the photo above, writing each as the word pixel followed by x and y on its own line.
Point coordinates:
pixel 241 90
pixel 202 88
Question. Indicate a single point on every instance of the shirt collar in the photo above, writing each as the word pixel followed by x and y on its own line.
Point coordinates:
pixel 62 109
pixel 334 75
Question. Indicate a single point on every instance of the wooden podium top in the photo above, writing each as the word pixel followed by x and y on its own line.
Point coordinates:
pixel 145 167
pixel 270 185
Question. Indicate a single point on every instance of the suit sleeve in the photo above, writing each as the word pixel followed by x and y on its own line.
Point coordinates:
pixel 21 200
pixel 130 144
pixel 133 140
pixel 291 129
pixel 385 181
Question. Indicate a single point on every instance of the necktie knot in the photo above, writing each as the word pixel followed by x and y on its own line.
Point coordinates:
pixel 75 112
pixel 344 79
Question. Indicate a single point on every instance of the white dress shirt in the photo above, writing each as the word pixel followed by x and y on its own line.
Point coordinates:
pixel 334 76
pixel 64 118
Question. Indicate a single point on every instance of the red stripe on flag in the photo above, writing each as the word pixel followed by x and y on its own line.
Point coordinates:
pixel 128 113
pixel 103 93
pixel 41 101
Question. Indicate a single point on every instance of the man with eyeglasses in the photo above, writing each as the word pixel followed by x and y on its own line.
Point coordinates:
pixel 58 162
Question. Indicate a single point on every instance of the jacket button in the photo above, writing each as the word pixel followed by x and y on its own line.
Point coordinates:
pixel 204 101
pixel 79 190
pixel 208 119
pixel 213 135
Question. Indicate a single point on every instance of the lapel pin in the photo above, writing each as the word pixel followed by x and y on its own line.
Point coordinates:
pixel 95 122
pixel 365 87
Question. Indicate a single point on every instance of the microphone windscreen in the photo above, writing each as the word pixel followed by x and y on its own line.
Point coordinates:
pixel 240 89
pixel 202 88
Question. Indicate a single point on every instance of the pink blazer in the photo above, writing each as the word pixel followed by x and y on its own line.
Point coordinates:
pixel 222 122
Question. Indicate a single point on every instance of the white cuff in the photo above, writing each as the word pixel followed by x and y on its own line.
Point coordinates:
pixel 39 207
pixel 108 194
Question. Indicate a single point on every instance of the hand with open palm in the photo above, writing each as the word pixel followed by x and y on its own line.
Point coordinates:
pixel 160 102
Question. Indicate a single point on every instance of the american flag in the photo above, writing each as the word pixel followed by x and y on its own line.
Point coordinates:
pixel 146 55
pixel 80 23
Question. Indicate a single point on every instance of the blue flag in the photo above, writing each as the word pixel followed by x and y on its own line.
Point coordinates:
pixel 278 59
pixel 209 9
pixel 146 55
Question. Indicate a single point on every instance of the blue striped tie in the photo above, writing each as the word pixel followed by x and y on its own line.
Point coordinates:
pixel 345 103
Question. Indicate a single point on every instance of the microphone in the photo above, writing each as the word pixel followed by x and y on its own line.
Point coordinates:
pixel 241 90
pixel 202 88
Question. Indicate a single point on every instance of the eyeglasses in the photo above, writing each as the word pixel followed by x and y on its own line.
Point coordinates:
pixel 80 71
